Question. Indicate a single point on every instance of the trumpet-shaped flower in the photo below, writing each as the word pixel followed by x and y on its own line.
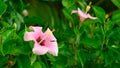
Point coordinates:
pixel 43 41
pixel 82 15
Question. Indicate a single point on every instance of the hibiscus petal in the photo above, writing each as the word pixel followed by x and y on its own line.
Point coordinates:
pixel 81 13
pixel 39 50
pixel 49 35
pixel 50 42
pixel 29 36
pixel 74 11
pixel 37 29
pixel 82 19
pixel 91 17
pixel 53 48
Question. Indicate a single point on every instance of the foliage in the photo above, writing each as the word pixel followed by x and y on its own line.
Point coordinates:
pixel 87 44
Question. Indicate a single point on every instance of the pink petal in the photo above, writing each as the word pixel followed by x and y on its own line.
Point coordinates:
pixel 81 13
pixel 37 29
pixel 82 19
pixel 29 36
pixel 89 16
pixel 39 50
pixel 49 35
pixel 74 11
pixel 53 48
pixel 51 43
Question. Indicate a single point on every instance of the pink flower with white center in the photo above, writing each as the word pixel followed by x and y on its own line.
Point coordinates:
pixel 43 42
pixel 82 15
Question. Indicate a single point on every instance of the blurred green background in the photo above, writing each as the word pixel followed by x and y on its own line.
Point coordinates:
pixel 87 44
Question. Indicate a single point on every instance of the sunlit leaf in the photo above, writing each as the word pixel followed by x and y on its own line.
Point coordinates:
pixel 100 13
pixel 37 65
pixel 67 14
pixel 7 35
pixel 3 7
pixel 68 3
pixel 116 3
pixel 116 17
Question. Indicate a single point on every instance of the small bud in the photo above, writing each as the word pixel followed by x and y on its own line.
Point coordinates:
pixel 15 25
pixel 25 12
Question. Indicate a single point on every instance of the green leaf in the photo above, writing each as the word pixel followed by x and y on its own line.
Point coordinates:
pixel 4 24
pixel 90 42
pixel 67 14
pixel 9 40
pixel 100 13
pixel 37 65
pixel 68 3
pixel 23 49
pixel 88 22
pixel 23 61
pixel 3 8
pixel 115 34
pixel 82 3
pixel 20 18
pixel 116 17
pixel 8 48
pixel 82 58
pixel 109 58
pixel 6 33
pixel 116 3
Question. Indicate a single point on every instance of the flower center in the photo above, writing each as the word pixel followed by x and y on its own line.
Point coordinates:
pixel 40 41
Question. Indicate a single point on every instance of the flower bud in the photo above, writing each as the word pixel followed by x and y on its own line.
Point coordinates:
pixel 25 12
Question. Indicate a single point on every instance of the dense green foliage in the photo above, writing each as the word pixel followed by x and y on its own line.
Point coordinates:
pixel 87 44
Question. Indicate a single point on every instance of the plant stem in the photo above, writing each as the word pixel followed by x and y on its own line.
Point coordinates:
pixel 75 47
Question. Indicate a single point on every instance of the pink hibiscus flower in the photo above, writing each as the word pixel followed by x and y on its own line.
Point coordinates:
pixel 82 15
pixel 43 42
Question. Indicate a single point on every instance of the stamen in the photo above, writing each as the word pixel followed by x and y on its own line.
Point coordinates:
pixel 41 41
pixel 53 30
pixel 88 7
pixel 90 3
pixel 48 34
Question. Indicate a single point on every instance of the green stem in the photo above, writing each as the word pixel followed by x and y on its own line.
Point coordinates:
pixel 76 31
